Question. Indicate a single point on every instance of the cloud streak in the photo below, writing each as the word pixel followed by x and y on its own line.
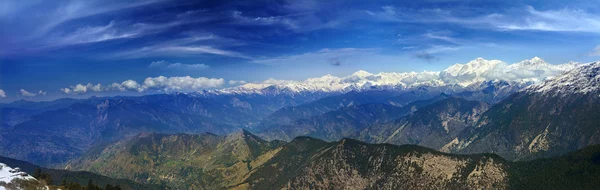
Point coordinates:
pixel 191 45
pixel 526 18
pixel 2 94
pixel 173 66
pixel 595 52
pixel 325 56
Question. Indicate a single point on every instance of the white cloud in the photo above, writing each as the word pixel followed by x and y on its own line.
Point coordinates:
pixel 595 52
pixel 25 93
pixel 80 88
pixel 161 83
pixel 66 90
pixel 181 83
pixel 42 93
pixel 166 65
pixel 2 94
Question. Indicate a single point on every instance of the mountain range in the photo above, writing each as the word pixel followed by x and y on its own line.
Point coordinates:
pixel 469 126
pixel 244 161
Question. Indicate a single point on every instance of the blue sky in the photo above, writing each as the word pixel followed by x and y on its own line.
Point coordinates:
pixel 51 45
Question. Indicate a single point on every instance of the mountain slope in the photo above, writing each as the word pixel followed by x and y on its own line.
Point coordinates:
pixel 349 164
pixel 244 161
pixel 59 135
pixel 290 114
pixel 14 178
pixel 347 121
pixel 432 126
pixel 548 119
pixel 180 161
pixel 73 176
pixel 577 170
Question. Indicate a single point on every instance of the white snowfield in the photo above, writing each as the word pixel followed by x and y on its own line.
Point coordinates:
pixel 8 174
pixel 473 73
pixel 581 80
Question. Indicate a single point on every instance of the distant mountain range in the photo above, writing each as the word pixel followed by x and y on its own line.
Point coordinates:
pixel 459 76
pixel 56 136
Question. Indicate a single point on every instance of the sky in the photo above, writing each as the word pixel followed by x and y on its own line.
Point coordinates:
pixel 55 49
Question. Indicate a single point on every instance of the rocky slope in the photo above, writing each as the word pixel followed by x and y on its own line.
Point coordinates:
pixel 348 164
pixel 547 119
pixel 432 126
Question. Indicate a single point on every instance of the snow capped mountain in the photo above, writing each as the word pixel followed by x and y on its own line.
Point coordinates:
pixel 581 80
pixel 470 74
pixel 10 175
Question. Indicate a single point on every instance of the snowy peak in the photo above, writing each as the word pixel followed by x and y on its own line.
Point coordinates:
pixel 478 65
pixel 583 79
pixel 535 61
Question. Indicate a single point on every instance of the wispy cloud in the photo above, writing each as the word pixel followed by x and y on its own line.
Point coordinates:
pixel 526 18
pixel 191 45
pixel 442 36
pixel 80 9
pixel 324 56
pixel 166 65
pixel 2 94
pixel 595 52
pixel 563 20
pixel 239 18
pixel 91 34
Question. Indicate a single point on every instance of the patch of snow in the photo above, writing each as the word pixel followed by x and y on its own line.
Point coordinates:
pixel 8 174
